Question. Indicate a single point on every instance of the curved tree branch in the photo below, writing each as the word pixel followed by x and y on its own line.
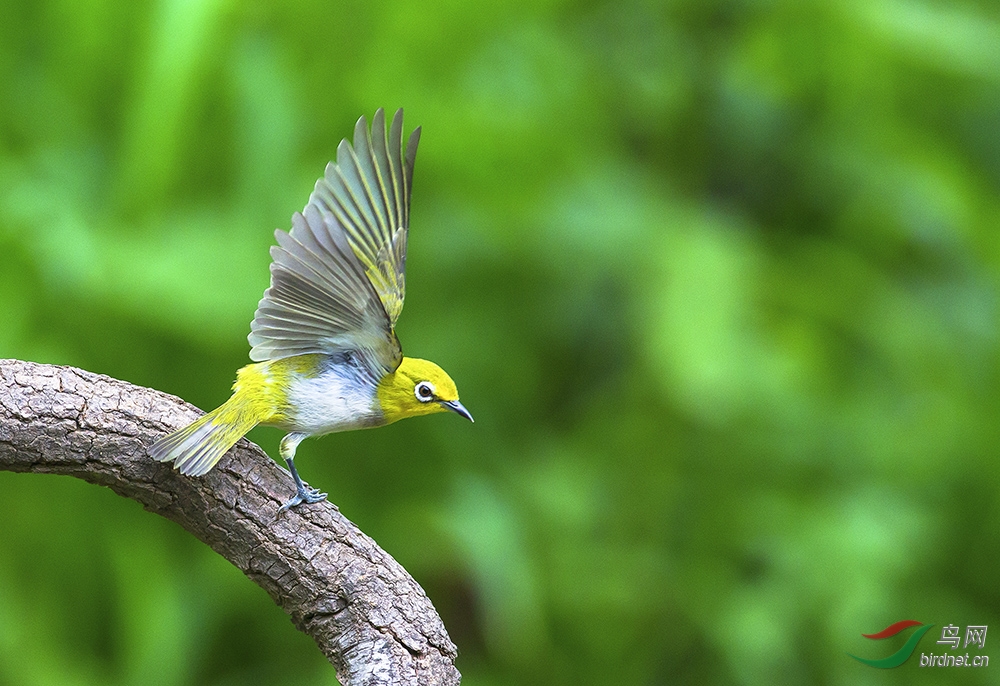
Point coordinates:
pixel 368 616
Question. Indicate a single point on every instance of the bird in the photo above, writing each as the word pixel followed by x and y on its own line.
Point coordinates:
pixel 324 351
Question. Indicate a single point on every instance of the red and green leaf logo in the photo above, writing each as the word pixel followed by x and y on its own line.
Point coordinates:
pixel 901 655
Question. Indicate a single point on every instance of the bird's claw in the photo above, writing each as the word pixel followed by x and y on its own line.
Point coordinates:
pixel 304 495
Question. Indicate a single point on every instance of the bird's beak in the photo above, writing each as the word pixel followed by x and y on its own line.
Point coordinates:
pixel 458 408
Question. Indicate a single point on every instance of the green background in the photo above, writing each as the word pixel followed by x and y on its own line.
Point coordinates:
pixel 718 280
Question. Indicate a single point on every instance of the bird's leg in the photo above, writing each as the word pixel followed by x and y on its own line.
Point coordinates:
pixel 303 494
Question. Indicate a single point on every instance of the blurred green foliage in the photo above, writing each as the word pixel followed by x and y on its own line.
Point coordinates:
pixel 719 281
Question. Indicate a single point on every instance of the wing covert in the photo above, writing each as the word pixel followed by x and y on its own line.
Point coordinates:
pixel 320 300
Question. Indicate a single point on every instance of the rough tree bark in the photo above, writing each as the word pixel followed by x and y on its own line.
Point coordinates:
pixel 367 615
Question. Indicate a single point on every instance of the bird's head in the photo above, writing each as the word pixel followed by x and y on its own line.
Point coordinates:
pixel 418 387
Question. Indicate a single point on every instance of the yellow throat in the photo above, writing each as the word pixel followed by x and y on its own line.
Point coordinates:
pixel 417 387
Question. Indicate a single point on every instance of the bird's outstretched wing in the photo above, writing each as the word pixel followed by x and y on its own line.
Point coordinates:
pixel 368 192
pixel 337 277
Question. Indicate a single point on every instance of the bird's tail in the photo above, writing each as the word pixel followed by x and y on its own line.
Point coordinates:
pixel 195 449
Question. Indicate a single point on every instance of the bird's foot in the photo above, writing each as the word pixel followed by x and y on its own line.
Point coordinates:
pixel 304 495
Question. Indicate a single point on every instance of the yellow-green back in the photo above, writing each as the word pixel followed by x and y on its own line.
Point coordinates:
pixel 262 388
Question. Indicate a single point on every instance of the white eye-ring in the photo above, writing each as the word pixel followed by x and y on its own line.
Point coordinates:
pixel 424 391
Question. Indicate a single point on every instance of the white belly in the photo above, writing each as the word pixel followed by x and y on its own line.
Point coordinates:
pixel 333 401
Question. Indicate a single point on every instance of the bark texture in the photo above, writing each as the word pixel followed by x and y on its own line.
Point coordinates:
pixel 368 616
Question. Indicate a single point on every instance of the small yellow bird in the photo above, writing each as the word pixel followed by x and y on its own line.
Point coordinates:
pixel 323 340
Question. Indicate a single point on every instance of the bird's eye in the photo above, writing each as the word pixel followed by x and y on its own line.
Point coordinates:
pixel 424 391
